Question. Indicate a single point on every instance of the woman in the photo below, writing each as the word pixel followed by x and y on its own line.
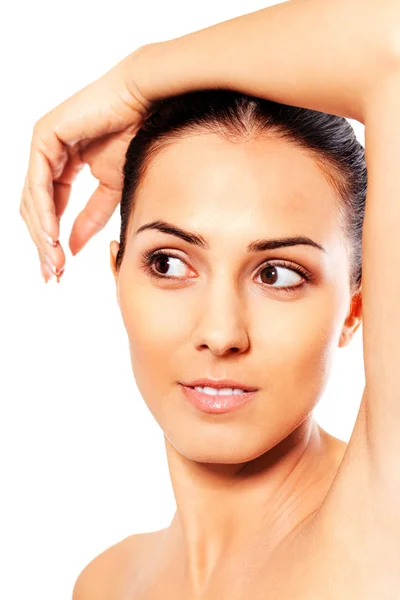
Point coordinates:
pixel 268 504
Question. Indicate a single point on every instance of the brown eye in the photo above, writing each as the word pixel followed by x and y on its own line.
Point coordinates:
pixel 157 264
pixel 271 275
pixel 291 278
pixel 161 264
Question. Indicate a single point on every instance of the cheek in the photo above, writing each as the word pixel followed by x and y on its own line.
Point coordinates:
pixel 154 328
pixel 299 346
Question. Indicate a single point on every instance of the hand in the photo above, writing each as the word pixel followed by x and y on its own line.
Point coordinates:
pixel 94 127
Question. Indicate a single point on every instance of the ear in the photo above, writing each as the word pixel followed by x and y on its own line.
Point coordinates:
pixel 114 247
pixel 353 319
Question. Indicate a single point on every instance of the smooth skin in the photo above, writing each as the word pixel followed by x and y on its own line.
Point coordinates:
pixel 289 511
pixel 242 481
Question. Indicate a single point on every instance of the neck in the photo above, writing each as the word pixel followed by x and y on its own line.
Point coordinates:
pixel 227 510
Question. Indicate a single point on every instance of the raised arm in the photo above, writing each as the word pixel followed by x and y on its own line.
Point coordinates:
pixel 381 285
pixel 316 54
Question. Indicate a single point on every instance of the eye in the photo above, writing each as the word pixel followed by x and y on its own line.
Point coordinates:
pixel 287 281
pixel 163 261
pixel 160 259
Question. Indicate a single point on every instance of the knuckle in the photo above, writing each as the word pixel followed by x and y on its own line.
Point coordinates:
pixel 29 187
pixel 39 132
pixel 97 219
pixel 36 128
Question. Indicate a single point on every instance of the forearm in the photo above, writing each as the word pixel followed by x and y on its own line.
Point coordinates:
pixel 279 53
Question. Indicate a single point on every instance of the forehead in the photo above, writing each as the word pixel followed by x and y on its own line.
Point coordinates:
pixel 203 176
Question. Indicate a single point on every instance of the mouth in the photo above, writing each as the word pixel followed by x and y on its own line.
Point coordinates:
pixel 216 402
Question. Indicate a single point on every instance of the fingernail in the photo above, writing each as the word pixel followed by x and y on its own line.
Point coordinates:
pixel 49 239
pixel 59 273
pixel 52 266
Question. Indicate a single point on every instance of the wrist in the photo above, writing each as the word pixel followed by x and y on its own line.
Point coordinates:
pixel 133 69
pixel 148 73
pixel 161 69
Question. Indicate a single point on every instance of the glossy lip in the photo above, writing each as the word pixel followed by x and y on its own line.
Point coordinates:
pixel 219 383
pixel 216 404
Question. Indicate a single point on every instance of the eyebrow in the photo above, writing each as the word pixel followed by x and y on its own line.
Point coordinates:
pixel 256 246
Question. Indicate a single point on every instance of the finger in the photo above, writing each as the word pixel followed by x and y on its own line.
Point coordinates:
pixel 40 193
pixel 27 213
pixel 62 187
pixel 46 273
pixel 97 212
pixel 47 160
pixel 51 255
pixel 23 211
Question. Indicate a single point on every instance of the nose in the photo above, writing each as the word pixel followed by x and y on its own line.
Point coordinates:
pixel 222 327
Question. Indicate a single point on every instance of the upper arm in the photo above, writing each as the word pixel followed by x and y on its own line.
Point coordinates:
pixel 381 288
pixel 101 577
pixel 361 512
pixel 375 443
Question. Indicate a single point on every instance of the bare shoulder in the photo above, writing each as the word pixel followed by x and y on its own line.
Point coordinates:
pixel 111 573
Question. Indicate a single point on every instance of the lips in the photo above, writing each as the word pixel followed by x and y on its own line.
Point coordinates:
pixel 216 403
pixel 219 383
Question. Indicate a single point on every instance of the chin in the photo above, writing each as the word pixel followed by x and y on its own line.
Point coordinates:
pixel 219 447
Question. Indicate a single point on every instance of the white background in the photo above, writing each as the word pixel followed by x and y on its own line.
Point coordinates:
pixel 82 460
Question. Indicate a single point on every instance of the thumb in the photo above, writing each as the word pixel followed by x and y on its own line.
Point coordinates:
pixel 96 214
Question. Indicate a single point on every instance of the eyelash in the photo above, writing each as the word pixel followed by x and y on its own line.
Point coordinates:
pixel 150 255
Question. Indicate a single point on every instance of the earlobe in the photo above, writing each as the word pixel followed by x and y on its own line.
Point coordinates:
pixel 114 247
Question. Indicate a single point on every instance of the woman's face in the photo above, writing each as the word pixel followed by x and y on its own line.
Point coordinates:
pixel 207 302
